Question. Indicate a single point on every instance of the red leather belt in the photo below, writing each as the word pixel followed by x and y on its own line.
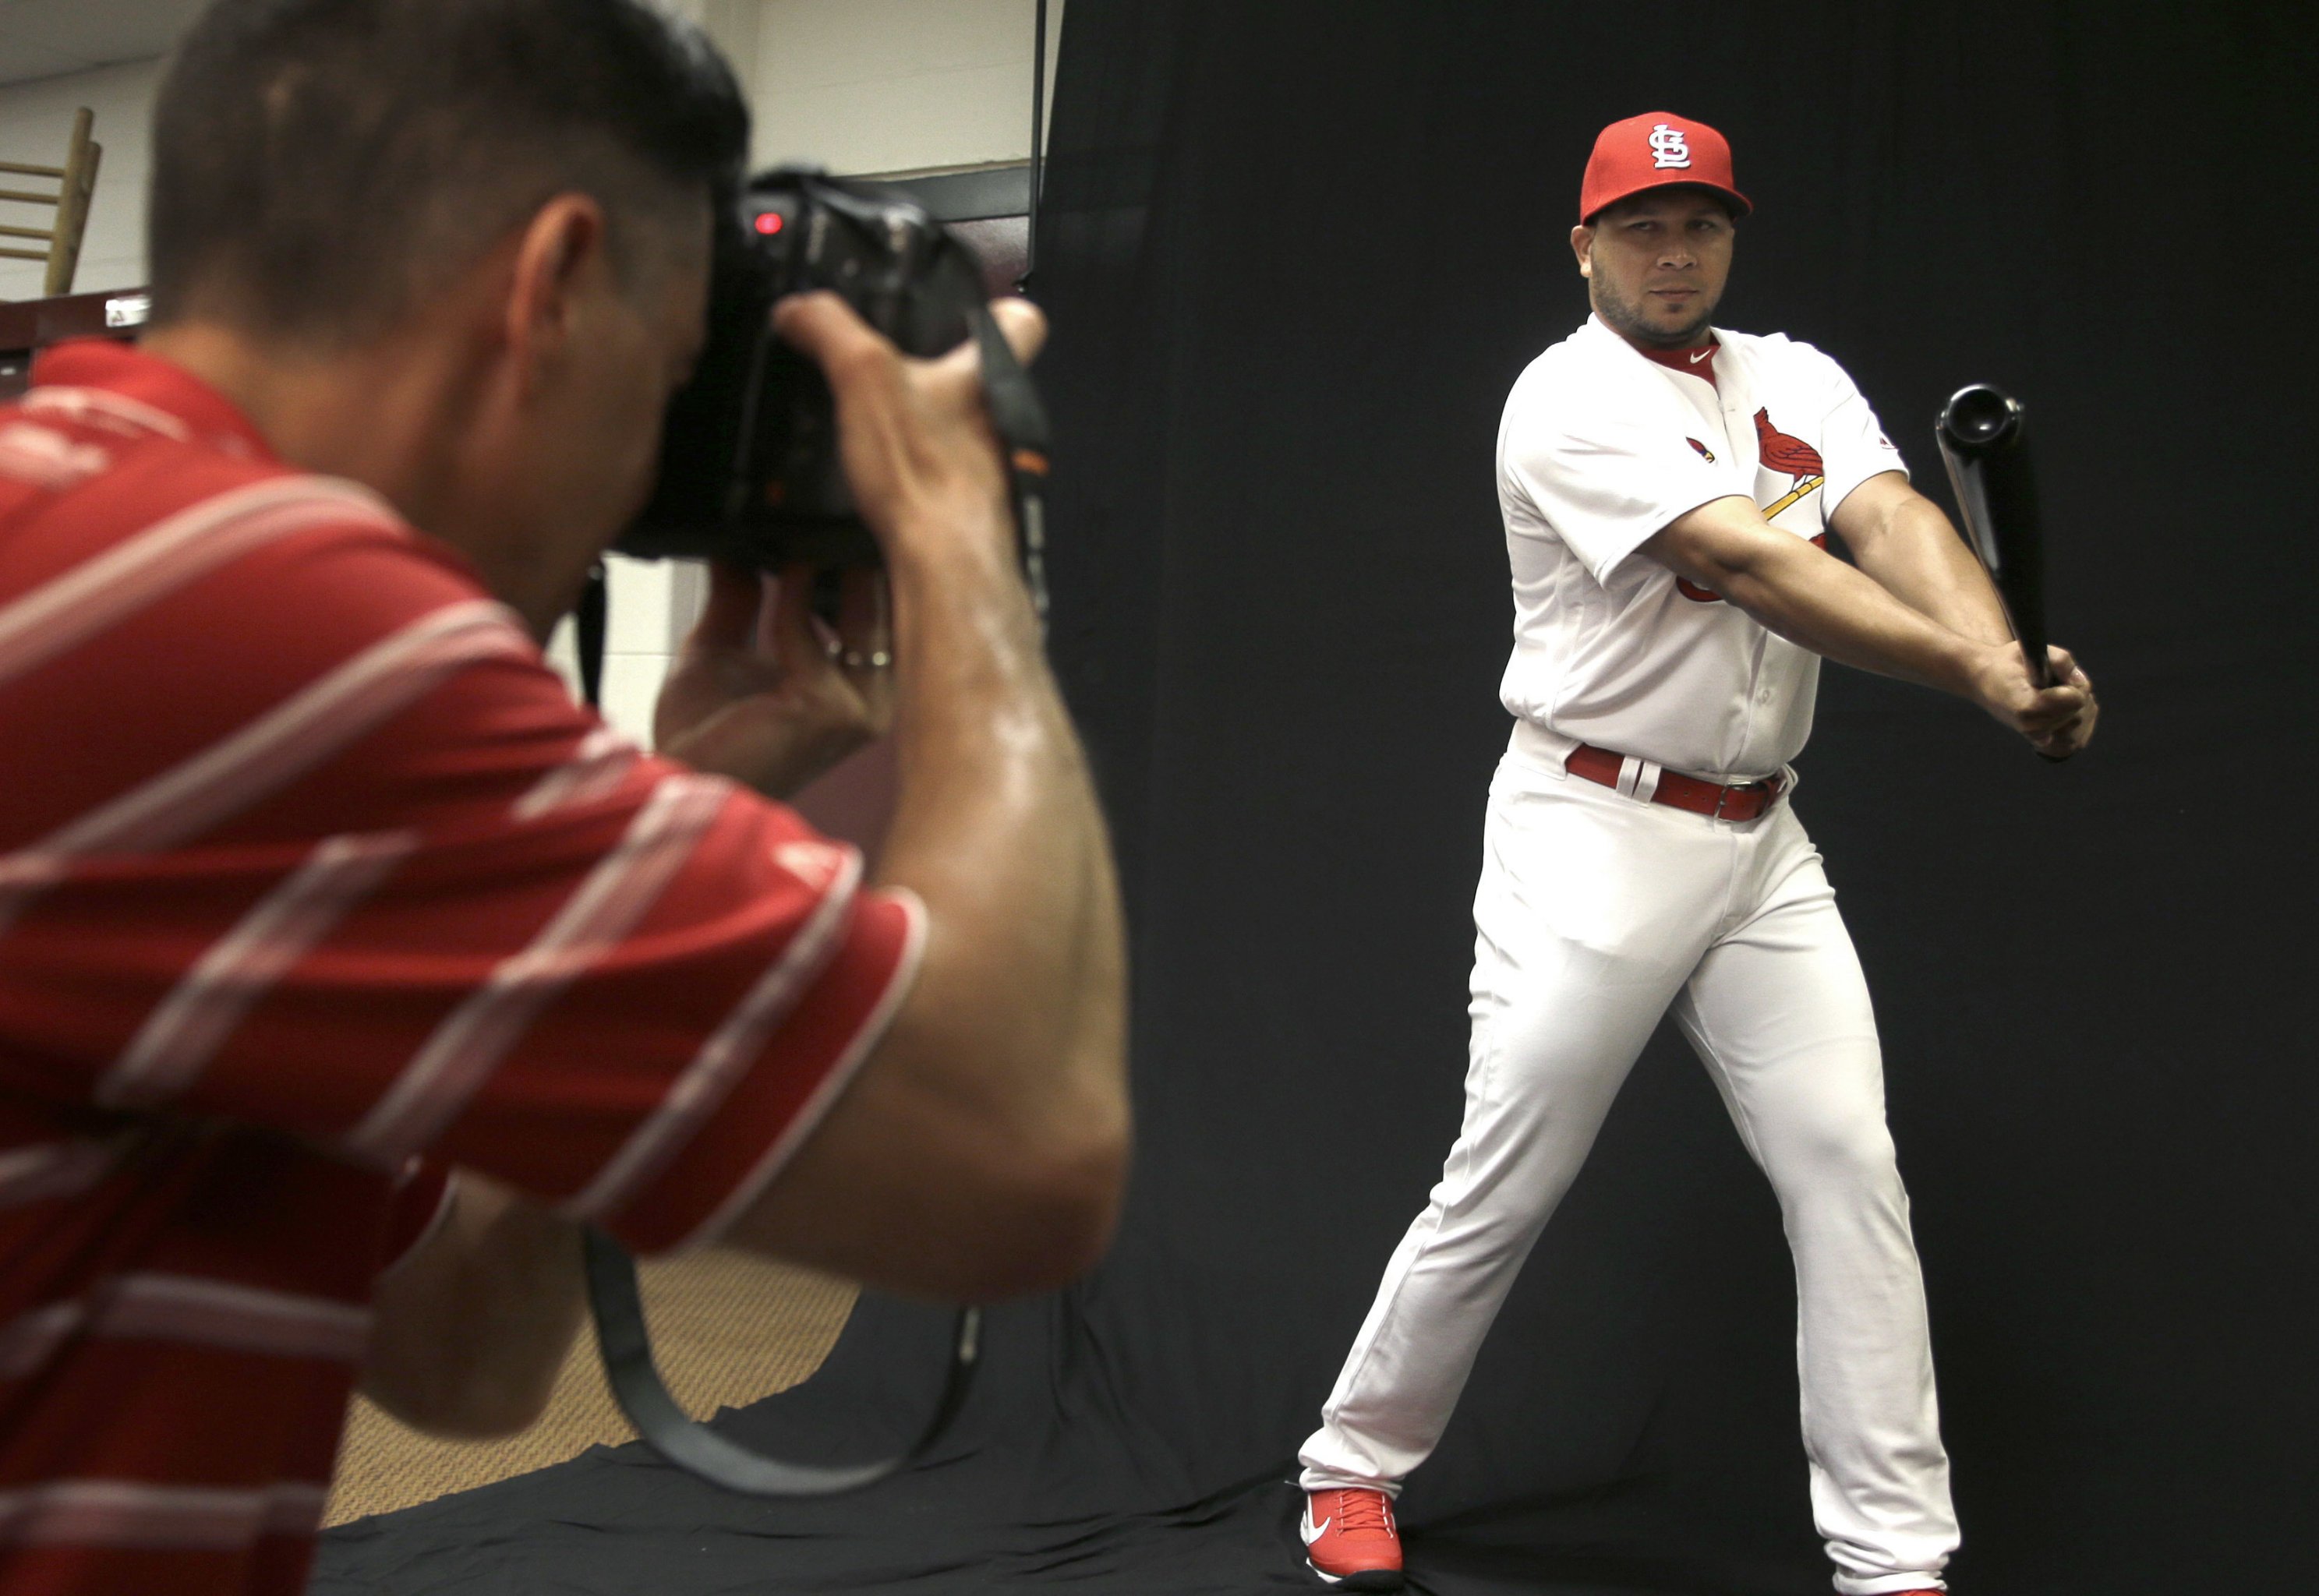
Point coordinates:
pixel 1742 801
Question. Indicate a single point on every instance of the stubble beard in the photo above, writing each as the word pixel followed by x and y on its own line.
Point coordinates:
pixel 1629 322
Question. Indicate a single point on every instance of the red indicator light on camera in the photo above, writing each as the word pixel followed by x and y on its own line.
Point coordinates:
pixel 770 223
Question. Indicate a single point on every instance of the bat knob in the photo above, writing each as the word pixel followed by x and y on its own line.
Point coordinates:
pixel 1980 418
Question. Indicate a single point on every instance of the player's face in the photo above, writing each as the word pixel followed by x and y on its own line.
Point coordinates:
pixel 1655 264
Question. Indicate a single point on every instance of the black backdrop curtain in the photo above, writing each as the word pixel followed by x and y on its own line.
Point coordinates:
pixel 1294 254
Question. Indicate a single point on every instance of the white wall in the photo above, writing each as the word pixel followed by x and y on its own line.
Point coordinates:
pixel 860 85
pixel 35 123
pixel 896 85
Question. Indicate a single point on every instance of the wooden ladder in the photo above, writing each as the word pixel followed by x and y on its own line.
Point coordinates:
pixel 76 185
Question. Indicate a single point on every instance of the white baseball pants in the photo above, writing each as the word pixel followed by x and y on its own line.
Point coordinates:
pixel 1597 913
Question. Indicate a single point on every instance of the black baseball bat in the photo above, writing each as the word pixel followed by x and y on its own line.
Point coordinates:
pixel 1984 436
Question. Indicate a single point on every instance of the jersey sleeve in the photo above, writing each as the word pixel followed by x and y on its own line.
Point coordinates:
pixel 1853 444
pixel 1601 471
pixel 349 864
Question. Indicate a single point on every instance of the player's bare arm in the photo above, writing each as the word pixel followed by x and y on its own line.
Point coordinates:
pixel 1817 601
pixel 1902 540
pixel 995 1110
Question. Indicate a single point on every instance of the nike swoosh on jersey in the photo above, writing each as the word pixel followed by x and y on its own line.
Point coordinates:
pixel 1700 354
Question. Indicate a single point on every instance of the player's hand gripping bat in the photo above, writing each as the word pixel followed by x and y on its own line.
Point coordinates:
pixel 1985 443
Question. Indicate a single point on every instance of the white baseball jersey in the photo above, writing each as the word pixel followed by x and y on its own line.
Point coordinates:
pixel 1601 446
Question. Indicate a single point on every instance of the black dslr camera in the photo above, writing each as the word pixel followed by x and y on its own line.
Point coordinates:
pixel 749 468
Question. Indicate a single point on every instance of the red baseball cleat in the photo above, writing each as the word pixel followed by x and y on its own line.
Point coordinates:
pixel 1350 1541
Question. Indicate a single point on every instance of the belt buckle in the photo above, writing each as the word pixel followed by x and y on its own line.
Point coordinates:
pixel 1723 795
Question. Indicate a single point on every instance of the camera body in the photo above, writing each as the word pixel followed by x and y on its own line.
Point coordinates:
pixel 749 470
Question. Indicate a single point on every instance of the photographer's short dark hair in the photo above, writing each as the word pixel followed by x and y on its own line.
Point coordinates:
pixel 320 165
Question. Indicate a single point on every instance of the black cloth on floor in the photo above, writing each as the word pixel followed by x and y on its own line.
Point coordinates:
pixel 1296 254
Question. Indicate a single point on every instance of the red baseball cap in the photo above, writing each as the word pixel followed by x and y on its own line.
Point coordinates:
pixel 1655 150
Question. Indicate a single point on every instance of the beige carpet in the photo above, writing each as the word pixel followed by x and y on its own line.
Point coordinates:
pixel 728 1330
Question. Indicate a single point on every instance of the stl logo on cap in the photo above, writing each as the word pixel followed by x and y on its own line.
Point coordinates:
pixel 1654 150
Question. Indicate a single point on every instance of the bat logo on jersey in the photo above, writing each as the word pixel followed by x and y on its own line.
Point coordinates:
pixel 1781 451
pixel 1705 453
pixel 1669 148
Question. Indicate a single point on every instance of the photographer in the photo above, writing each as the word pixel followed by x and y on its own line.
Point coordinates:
pixel 314 884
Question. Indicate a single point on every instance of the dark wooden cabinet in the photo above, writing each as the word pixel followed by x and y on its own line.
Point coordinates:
pixel 29 326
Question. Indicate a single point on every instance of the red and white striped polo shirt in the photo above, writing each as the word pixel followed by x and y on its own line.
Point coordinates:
pixel 311 868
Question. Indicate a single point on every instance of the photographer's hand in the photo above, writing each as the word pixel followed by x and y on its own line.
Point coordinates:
pixel 764 693
pixel 914 435
pixel 982 1150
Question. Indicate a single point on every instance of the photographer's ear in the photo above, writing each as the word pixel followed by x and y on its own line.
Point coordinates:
pixel 559 261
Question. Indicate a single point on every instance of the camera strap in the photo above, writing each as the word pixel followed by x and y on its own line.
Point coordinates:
pixel 589 618
pixel 693 1446
pixel 1020 420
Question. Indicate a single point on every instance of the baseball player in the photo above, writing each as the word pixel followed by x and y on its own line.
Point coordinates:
pixel 1668 488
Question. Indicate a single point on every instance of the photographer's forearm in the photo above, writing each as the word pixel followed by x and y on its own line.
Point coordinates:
pixel 470 1329
pixel 998 830
pixel 981 1150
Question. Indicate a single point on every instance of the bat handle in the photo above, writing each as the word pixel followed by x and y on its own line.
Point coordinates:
pixel 2041 666
pixel 2042 674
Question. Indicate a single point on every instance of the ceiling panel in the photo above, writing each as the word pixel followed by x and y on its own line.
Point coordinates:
pixel 44 37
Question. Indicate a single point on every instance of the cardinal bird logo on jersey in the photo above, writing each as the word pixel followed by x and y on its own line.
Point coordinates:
pixel 1783 452
pixel 1780 451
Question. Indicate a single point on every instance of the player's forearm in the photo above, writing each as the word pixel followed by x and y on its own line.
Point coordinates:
pixel 1912 553
pixel 1811 598
pixel 1820 603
